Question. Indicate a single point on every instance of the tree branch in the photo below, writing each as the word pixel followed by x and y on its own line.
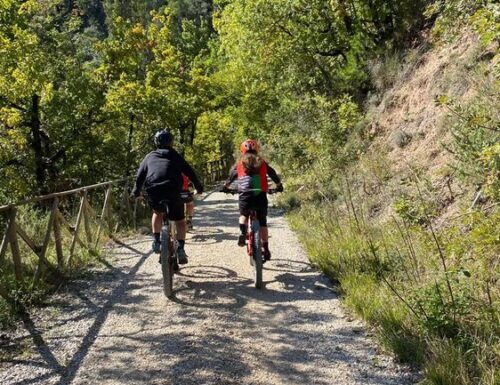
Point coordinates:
pixel 12 104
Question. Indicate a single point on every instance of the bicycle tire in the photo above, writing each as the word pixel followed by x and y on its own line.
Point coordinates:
pixel 166 261
pixel 257 254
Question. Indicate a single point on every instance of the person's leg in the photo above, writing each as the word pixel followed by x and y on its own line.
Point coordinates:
pixel 264 232
pixel 244 206
pixel 181 231
pixel 176 215
pixel 156 222
pixel 181 240
pixel 243 230
pixel 264 235
pixel 189 214
pixel 189 209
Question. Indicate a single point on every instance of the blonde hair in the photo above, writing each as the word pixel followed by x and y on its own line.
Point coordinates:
pixel 251 163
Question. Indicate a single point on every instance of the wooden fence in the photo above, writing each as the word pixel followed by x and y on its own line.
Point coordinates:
pixel 85 230
pixel 216 171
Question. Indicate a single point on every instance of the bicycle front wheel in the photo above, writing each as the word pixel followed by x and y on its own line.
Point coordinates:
pixel 257 254
pixel 166 261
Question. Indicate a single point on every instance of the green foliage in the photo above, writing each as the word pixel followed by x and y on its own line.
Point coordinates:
pixel 452 15
pixel 415 211
pixel 476 134
pixel 449 365
pixel 47 100
pixel 78 107
pixel 486 23
pixel 7 318
pixel 296 68
pixel 390 316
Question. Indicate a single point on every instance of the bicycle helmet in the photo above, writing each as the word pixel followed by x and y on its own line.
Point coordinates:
pixel 249 145
pixel 163 139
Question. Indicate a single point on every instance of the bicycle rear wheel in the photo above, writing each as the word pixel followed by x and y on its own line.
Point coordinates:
pixel 167 268
pixel 257 254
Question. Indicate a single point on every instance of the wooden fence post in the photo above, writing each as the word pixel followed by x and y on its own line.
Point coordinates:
pixel 102 218
pixel 5 240
pixel 125 205
pixel 57 236
pixel 77 226
pixel 134 217
pixel 86 222
pixel 42 260
pixel 14 245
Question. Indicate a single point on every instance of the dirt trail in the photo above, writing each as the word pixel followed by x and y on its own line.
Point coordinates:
pixel 116 327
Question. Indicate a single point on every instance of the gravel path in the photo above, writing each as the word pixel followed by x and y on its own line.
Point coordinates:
pixel 116 327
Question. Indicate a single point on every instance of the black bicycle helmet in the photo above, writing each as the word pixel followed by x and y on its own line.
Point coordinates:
pixel 163 139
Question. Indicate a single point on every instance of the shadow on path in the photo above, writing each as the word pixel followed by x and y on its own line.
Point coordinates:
pixel 68 372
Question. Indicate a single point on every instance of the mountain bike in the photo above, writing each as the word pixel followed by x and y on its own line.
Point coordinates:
pixel 168 252
pixel 253 241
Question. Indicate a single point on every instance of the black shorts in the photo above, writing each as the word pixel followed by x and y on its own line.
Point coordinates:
pixel 187 196
pixel 174 203
pixel 248 202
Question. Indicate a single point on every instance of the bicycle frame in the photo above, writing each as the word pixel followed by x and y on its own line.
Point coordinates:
pixel 254 247
pixel 250 237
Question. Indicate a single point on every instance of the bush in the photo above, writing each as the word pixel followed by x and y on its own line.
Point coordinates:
pixel 452 15
pixel 476 138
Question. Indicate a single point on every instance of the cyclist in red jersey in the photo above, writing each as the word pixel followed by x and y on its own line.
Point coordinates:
pixel 251 172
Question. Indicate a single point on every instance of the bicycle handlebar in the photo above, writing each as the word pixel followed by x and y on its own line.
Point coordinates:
pixel 235 191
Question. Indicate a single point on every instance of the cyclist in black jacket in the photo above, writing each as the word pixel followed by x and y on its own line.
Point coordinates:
pixel 161 174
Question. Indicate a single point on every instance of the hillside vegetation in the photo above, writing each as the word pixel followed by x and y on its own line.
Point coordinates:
pixel 414 219
pixel 382 115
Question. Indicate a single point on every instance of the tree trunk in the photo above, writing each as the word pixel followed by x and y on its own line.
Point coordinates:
pixel 130 155
pixel 193 131
pixel 36 144
pixel 346 18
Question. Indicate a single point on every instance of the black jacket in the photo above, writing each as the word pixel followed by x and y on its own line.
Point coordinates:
pixel 161 171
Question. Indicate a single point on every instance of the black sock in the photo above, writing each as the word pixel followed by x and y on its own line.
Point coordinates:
pixel 265 245
pixel 243 229
pixel 156 237
pixel 181 243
